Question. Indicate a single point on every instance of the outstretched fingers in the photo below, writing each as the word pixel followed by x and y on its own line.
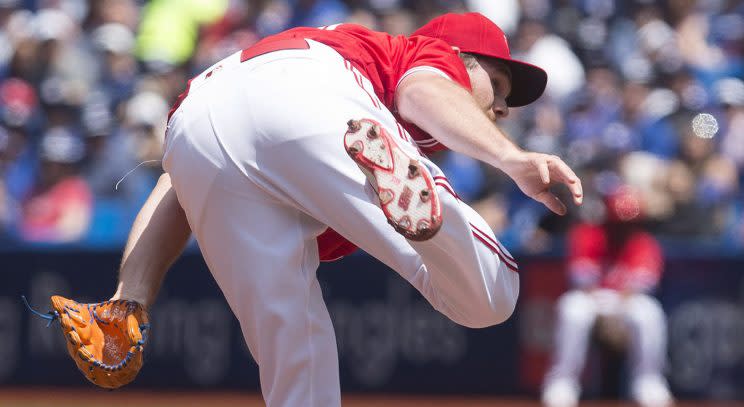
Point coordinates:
pixel 565 175
pixel 552 202
pixel 543 168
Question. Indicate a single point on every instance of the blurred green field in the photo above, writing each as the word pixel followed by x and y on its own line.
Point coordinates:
pixel 55 397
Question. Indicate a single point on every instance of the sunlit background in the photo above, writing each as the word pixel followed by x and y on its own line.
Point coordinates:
pixel 645 99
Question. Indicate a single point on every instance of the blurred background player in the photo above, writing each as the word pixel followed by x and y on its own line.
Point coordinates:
pixel 613 267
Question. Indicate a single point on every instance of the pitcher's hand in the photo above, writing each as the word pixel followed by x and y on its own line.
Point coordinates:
pixel 535 173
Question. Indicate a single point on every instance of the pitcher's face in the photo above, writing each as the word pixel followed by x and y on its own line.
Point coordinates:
pixel 490 80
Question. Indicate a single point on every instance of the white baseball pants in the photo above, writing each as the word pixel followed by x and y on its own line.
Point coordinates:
pixel 576 313
pixel 255 154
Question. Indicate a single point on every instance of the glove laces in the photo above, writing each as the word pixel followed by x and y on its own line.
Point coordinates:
pixel 50 316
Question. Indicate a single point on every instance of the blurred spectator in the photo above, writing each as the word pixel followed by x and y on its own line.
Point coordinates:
pixel 8 208
pixel 59 207
pixel 612 267
pixel 730 94
pixel 234 31
pixel 109 153
pixel 18 102
pixel 700 182
pixel 398 22
pixel 707 58
pixel 125 12
pixel 145 123
pixel 317 13
pixel 19 106
pixel 592 132
pixel 58 50
pixel 647 112
pixel 538 46
pixel 363 17
pixel 118 73
pixel 113 152
pixel 648 174
pixel 504 13
pixel 169 29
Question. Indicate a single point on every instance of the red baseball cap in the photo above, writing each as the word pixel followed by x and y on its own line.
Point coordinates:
pixel 474 33
pixel 624 205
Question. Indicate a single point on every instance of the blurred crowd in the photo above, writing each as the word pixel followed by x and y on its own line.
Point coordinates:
pixel 642 94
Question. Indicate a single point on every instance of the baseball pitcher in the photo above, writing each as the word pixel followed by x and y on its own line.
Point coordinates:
pixel 312 143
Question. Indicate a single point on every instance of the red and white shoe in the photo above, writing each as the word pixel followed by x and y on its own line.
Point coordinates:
pixel 403 184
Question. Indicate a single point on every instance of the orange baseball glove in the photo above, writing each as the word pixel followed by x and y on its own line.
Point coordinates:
pixel 105 339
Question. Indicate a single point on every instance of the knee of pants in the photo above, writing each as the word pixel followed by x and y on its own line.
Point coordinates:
pixel 488 309
pixel 644 310
pixel 577 308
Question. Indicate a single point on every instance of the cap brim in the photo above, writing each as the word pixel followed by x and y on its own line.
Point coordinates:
pixel 528 82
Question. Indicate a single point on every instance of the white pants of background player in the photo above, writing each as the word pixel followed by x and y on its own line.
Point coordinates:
pixel 577 312
pixel 256 157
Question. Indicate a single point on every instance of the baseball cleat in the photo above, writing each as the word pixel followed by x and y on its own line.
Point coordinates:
pixel 404 186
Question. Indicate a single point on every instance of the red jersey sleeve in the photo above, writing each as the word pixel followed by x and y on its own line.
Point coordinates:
pixel 587 248
pixel 430 55
pixel 434 55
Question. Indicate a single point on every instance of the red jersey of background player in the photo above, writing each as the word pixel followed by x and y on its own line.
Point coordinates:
pixel 616 256
pixel 599 258
pixel 385 60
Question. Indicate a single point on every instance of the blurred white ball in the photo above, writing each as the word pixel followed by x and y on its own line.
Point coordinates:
pixel 704 125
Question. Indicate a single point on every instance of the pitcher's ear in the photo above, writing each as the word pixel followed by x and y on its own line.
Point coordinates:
pixel 456 49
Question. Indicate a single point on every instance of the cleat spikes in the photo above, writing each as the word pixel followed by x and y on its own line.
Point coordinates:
pixel 423 226
pixel 413 170
pixel 405 222
pixel 425 195
pixel 356 148
pixel 354 125
pixel 373 132
pixel 386 197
